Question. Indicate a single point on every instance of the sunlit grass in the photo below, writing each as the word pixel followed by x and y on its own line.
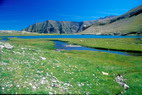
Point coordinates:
pixel 74 72
pixel 134 44
pixel 23 34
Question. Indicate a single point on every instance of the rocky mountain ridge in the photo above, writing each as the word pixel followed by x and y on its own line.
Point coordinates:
pixel 126 24
pixel 59 27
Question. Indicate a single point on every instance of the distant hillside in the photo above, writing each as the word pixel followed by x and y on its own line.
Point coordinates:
pixel 126 24
pixel 59 27
pixel 129 23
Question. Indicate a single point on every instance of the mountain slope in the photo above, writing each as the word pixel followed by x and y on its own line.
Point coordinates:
pixel 52 26
pixel 129 23
pixel 60 27
pixel 126 24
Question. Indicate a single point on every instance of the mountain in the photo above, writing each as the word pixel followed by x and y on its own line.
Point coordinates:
pixel 129 23
pixel 59 27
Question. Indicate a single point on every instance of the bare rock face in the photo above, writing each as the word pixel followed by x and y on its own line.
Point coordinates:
pixel 59 27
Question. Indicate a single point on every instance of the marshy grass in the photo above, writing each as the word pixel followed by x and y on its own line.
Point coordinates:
pixel 130 44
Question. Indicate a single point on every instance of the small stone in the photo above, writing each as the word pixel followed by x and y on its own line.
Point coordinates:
pixel 1 46
pixel 79 85
pixel 3 63
pixel 30 83
pixel 34 87
pixel 54 81
pixel 43 58
pixel 43 78
pixel 104 73
pixel 126 87
pixel 2 88
pixel 65 89
pixel 18 86
pixel 50 93
pixel 120 80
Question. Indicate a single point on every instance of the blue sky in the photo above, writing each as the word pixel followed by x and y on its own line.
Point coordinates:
pixel 19 14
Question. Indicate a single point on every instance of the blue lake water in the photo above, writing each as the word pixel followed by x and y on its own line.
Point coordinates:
pixel 70 36
pixel 59 45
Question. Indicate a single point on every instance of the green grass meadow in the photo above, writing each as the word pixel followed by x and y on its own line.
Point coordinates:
pixel 34 67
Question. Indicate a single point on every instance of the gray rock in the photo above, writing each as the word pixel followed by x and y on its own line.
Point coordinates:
pixel 3 63
pixel 8 46
pixel 59 27
pixel 120 80
pixel 1 46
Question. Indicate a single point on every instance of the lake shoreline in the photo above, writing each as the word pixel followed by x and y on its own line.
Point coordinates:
pixel 130 52
pixel 69 36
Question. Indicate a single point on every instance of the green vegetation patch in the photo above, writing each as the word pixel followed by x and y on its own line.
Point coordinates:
pixel 132 44
pixel 34 67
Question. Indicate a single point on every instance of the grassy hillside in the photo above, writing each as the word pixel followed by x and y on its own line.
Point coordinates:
pixel 129 23
pixel 130 44
pixel 34 67
pixel 133 24
pixel 20 33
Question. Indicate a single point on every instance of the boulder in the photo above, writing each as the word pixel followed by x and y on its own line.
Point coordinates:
pixel 8 46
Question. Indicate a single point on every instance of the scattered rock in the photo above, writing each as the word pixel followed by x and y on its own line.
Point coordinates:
pixel 8 46
pixel 23 48
pixel 50 93
pixel 34 87
pixel 120 80
pixel 3 63
pixel 2 88
pixel 1 46
pixel 5 45
pixel 44 81
pixel 59 49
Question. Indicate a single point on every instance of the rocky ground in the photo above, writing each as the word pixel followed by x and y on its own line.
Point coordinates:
pixel 33 66
pixel 39 78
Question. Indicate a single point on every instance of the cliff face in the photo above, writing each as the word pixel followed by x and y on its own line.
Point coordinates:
pixel 59 27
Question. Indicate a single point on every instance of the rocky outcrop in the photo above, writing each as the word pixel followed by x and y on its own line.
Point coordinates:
pixel 5 45
pixel 52 26
pixel 59 27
